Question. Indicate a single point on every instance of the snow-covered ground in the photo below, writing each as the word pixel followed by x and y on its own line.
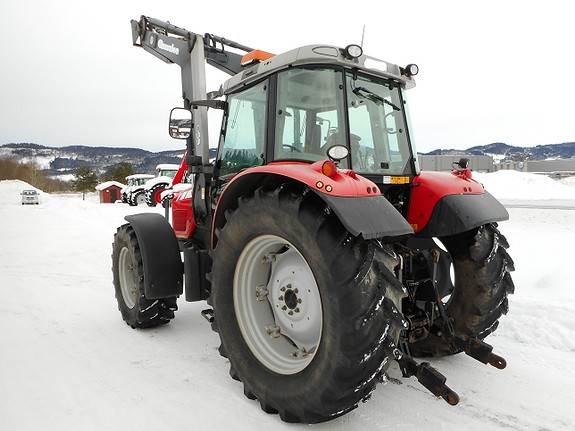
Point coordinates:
pixel 67 360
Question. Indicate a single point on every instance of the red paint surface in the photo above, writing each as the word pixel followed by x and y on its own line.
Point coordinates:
pixel 429 187
pixel 181 171
pixel 106 194
pixel 183 220
pixel 344 183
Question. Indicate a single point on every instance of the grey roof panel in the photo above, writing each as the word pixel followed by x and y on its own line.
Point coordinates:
pixel 315 54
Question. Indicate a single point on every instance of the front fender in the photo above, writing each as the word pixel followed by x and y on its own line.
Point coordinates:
pixel 163 270
pixel 356 200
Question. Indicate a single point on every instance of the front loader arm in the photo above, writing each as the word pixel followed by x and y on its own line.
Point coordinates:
pixel 190 51
pixel 173 44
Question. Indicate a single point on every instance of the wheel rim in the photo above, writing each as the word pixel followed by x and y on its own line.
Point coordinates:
pixel 157 196
pixel 140 199
pixel 128 284
pixel 277 304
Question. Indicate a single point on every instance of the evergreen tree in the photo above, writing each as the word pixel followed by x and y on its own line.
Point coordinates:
pixel 118 172
pixel 86 180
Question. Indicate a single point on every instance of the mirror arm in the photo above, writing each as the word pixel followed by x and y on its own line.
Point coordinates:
pixel 215 104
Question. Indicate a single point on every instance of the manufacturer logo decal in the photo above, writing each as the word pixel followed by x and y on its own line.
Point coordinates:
pixel 169 48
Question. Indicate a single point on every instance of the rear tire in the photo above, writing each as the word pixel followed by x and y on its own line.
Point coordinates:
pixel 358 292
pixel 153 193
pixel 482 269
pixel 136 310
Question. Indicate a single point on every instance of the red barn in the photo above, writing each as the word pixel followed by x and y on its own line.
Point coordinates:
pixel 110 191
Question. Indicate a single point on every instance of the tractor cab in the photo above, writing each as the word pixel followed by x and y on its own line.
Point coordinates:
pixel 315 97
pixel 292 107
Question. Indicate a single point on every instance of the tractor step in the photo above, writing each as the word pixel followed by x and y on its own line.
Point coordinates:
pixel 208 314
pixel 480 351
pixel 428 376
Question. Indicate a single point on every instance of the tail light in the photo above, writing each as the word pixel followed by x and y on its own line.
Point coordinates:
pixel 329 169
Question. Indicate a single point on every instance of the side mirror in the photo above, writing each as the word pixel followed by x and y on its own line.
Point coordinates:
pixel 180 123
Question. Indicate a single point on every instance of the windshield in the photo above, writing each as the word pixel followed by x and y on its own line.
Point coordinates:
pixel 309 114
pixel 378 134
pixel 166 173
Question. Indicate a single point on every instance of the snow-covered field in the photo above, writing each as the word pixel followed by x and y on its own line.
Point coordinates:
pixel 68 362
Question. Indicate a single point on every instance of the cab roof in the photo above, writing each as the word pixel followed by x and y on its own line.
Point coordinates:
pixel 167 167
pixel 316 55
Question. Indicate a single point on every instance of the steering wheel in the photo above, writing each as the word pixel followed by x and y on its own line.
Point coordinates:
pixel 293 148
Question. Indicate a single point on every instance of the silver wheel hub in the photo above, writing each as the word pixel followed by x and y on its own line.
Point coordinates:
pixel 277 304
pixel 141 199
pixel 127 276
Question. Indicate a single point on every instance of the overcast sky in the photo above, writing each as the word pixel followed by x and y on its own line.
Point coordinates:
pixel 492 72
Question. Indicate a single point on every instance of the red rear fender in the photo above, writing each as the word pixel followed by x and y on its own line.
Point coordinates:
pixel 356 200
pixel 444 203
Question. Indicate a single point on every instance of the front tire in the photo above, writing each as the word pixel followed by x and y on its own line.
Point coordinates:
pixel 327 371
pixel 138 198
pixel 127 267
pixel 482 270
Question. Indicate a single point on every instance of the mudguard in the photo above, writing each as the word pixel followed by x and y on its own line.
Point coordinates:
pixel 162 264
pixel 355 199
pixel 371 217
pixel 459 213
pixel 444 204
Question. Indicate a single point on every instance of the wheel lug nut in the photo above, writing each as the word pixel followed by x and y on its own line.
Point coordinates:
pixel 289 286
pixel 281 298
pixel 283 289
pixel 299 300
pixel 296 310
pixel 284 308
pixel 290 313
pixel 296 291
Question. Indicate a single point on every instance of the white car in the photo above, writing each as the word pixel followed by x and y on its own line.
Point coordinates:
pixel 30 197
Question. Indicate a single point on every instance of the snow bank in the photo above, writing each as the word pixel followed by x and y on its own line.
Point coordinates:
pixel 507 184
pixel 569 181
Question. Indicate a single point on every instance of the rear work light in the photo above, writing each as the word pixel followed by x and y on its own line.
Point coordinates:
pixel 329 169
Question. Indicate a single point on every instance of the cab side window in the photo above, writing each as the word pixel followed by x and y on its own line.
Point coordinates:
pixel 244 139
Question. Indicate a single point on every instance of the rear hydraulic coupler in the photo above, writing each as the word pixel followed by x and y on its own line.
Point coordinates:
pixel 428 376
pixel 480 351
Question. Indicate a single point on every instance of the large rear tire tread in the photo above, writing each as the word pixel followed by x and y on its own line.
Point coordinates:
pixel 151 193
pixel 361 322
pixel 483 281
pixel 146 313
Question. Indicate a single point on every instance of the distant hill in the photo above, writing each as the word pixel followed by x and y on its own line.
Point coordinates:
pixel 62 161
pixel 565 150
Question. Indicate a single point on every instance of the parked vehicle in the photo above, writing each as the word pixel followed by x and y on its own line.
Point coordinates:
pixel 30 197
pixel 154 187
pixel 322 250
pixel 134 193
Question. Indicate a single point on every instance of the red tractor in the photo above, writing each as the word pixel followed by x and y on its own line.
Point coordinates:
pixel 323 252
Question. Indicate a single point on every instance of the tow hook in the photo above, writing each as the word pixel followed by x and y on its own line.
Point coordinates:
pixel 428 376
